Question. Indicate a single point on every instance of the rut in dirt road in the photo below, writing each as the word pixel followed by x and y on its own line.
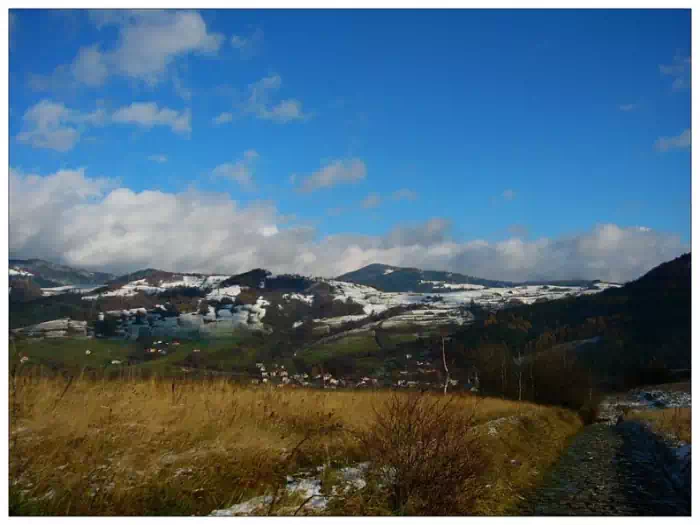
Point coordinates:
pixel 612 470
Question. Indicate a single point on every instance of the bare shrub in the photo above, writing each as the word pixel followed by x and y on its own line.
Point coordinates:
pixel 424 454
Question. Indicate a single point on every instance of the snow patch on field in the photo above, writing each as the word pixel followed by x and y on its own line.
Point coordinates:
pixel 309 489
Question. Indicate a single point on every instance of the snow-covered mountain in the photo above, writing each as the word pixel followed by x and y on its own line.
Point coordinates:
pixel 398 279
pixel 48 275
pixel 162 303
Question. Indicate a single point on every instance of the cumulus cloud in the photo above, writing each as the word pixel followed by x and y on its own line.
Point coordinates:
pixel 90 222
pixel 679 70
pixel 681 141
pixel 52 125
pixel 373 200
pixel 147 115
pixel 148 43
pixel 248 46
pixel 404 194
pixel 90 67
pixel 508 195
pixel 160 159
pixel 258 102
pixel 222 118
pixel 337 172
pixel 241 171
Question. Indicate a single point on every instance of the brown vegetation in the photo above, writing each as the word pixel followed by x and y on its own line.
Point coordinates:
pixel 181 448
pixel 675 422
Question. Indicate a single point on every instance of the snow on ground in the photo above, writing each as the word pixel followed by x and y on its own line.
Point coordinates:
pixel 195 281
pixel 336 321
pixel 129 289
pixel 55 328
pixel 307 488
pixel 19 272
pixel 388 271
pixel 308 299
pixel 228 291
pixel 205 282
pixel 58 290
pixel 454 286
pixel 641 399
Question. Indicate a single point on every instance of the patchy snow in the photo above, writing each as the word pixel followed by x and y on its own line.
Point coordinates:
pixel 337 321
pixel 227 291
pixel 58 290
pixel 18 271
pixel 308 299
pixel 129 289
pixel 454 286
pixel 308 488
pixel 388 271
pixel 55 328
pixel 297 324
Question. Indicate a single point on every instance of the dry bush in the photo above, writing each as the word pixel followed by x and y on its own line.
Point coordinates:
pixel 424 454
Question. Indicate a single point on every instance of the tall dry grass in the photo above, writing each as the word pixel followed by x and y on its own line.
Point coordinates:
pixel 186 448
pixel 676 422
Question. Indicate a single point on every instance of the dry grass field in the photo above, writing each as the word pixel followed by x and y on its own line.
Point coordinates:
pixel 675 422
pixel 155 447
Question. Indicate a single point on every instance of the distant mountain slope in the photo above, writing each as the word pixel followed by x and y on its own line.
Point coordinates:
pixel 397 279
pixel 642 331
pixel 47 274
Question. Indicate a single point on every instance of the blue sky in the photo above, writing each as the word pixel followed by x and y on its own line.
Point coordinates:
pixel 529 124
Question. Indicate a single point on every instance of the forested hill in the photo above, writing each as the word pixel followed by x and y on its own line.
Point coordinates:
pixel 397 279
pixel 634 334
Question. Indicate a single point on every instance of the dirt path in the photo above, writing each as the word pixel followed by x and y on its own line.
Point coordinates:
pixel 611 470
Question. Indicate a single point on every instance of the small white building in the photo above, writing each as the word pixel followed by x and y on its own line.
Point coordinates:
pixel 116 362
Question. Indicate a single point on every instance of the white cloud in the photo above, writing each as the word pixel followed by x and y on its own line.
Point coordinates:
pixel 147 115
pixel 679 70
pixel 508 195
pixel 373 200
pixel 628 107
pixel 284 111
pixel 337 172
pixel 681 141
pixel 71 218
pixel 52 125
pixel 89 67
pixel 181 90
pixel 222 118
pixel 258 102
pixel 248 46
pixel 160 159
pixel 148 43
pixel 404 194
pixel 241 171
